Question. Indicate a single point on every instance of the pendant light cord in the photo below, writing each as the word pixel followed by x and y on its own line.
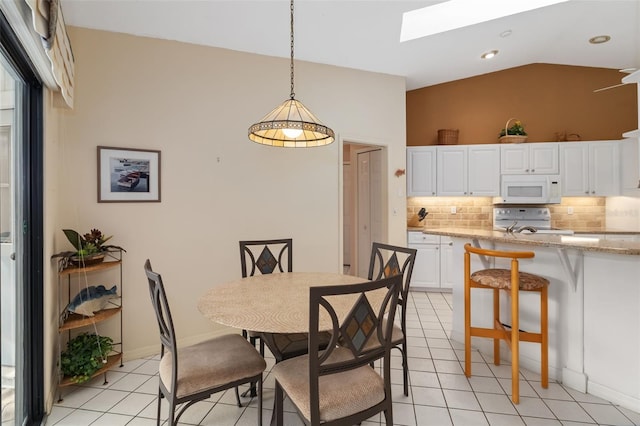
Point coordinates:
pixel 292 92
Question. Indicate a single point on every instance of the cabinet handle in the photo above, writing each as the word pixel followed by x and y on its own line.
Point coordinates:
pixel 470 193
pixel 533 170
pixel 593 192
pixel 451 243
pixel 437 248
pixel 433 193
pixel 586 192
pixel 527 170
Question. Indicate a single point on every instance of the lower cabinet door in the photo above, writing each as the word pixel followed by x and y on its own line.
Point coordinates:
pixel 426 271
pixel 446 263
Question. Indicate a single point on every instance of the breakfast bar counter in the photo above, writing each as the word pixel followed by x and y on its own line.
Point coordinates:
pixel 594 307
pixel 577 241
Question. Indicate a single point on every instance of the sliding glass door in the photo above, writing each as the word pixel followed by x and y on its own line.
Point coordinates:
pixel 21 306
pixel 11 356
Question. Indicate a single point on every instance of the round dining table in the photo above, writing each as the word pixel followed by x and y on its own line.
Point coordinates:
pixel 278 302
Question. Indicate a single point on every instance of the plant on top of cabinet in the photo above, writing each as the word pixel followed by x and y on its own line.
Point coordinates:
pixel 513 134
pixel 90 248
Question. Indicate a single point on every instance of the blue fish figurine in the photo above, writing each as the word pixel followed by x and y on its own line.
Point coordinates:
pixel 92 299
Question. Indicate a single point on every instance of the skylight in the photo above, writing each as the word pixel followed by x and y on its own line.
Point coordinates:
pixel 454 14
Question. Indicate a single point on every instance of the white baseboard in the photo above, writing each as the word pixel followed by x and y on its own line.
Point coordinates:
pixel 604 392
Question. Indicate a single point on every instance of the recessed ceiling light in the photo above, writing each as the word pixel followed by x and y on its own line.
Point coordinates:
pixel 453 14
pixel 599 39
pixel 506 33
pixel 489 55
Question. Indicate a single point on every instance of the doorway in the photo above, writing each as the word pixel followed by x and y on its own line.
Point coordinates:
pixel 364 218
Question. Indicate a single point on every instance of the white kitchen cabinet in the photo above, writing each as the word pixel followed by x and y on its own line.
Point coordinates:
pixel 433 267
pixel 421 171
pixel 446 263
pixel 535 158
pixel 468 170
pixel 590 168
pixel 630 169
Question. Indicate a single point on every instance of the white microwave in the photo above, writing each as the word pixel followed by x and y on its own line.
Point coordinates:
pixel 530 189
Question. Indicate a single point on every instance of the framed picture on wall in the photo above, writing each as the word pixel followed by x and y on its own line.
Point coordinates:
pixel 128 175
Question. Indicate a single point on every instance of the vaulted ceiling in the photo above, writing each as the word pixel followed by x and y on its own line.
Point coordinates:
pixel 365 35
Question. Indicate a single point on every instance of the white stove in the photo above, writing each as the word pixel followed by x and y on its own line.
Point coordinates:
pixel 525 220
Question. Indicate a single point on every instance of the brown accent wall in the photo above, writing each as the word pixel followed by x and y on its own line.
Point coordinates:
pixel 548 99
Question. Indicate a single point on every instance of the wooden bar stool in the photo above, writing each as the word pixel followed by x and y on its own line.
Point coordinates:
pixel 512 281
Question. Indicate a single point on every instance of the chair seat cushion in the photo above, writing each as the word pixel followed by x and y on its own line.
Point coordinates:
pixel 501 278
pixel 212 363
pixel 341 394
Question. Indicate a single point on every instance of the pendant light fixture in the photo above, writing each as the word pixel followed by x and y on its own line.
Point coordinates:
pixel 291 124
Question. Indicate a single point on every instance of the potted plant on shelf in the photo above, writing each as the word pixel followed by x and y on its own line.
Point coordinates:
pixel 85 354
pixel 513 134
pixel 90 248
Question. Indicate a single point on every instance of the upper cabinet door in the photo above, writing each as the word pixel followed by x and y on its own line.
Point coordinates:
pixel 543 158
pixel 484 170
pixel 421 171
pixel 514 159
pixel 604 168
pixel 575 169
pixel 529 158
pixel 452 171
pixel 590 168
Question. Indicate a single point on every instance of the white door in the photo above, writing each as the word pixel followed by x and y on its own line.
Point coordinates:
pixel 369 207
pixel 347 195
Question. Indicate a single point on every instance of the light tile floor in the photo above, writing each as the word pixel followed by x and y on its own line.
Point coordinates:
pixel 440 394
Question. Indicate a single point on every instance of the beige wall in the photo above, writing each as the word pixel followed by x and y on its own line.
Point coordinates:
pixel 51 225
pixel 195 104
pixel 547 98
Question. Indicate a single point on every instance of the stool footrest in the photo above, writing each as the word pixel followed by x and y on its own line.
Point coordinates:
pixel 505 334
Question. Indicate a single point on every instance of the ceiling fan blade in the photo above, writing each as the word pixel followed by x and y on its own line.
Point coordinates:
pixel 608 87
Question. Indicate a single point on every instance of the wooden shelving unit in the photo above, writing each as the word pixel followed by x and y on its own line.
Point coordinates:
pixel 76 278
pixel 112 361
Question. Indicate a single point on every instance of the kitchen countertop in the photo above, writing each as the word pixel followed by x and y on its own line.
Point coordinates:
pixel 543 240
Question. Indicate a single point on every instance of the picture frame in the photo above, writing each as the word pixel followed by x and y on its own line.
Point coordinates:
pixel 128 175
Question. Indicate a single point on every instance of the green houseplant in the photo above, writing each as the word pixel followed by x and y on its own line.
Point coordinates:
pixel 85 354
pixel 90 248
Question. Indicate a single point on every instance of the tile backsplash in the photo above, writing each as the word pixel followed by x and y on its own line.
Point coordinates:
pixel 589 213
pixel 470 211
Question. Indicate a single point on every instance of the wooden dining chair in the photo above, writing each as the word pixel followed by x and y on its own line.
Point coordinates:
pixel 193 373
pixel 388 261
pixel 337 385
